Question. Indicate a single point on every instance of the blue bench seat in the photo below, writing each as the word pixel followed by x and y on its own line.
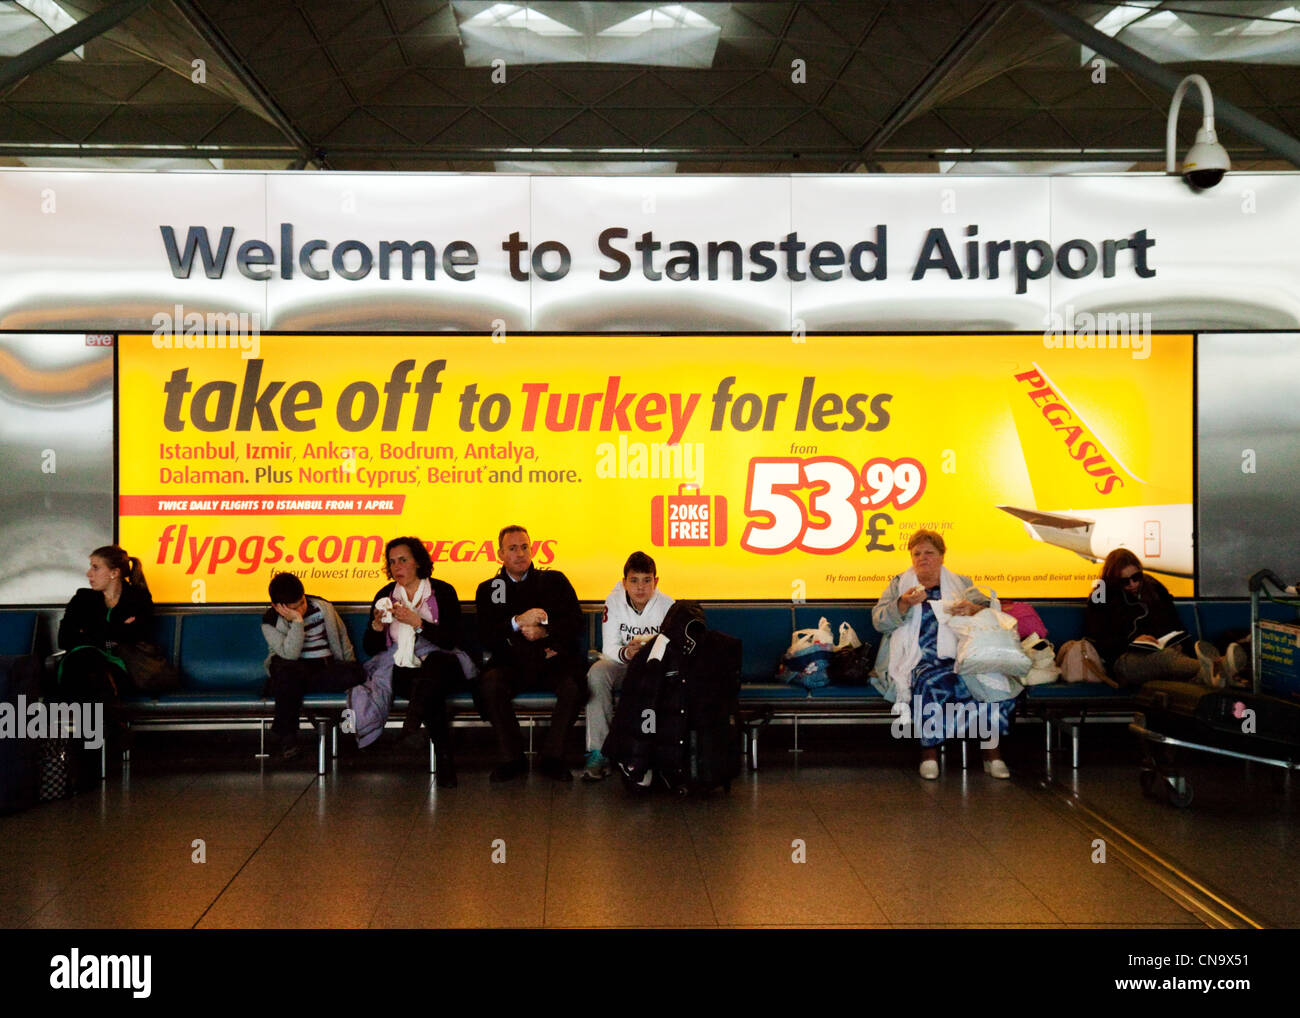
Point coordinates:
pixel 17 632
pixel 220 654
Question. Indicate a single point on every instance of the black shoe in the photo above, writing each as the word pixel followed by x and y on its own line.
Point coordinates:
pixel 397 740
pixel 446 774
pixel 284 747
pixel 553 767
pixel 509 771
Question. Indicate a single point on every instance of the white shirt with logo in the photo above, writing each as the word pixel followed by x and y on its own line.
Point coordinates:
pixel 622 622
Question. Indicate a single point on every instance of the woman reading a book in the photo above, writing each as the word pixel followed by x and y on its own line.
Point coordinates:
pixel 1135 627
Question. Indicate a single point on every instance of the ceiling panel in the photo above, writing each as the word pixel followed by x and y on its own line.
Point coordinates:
pixel 384 83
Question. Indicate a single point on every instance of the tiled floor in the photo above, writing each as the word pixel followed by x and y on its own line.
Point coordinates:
pixel 833 841
pixel 1240 835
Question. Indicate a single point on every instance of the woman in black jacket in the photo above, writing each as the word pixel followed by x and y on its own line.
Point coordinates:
pixel 1128 607
pixel 432 609
pixel 115 609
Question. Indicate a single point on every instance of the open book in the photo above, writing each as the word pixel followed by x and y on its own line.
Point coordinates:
pixel 1168 640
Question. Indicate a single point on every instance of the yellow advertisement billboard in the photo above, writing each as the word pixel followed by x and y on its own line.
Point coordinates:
pixel 750 467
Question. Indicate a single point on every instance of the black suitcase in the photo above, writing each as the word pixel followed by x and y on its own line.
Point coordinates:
pixel 1216 721
pixel 1234 719
pixel 19 676
pixel 700 745
pixel 678 717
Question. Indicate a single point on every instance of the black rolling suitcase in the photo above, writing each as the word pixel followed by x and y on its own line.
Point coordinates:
pixel 19 677
pixel 702 751
pixel 677 722
pixel 1234 719
pixel 1174 716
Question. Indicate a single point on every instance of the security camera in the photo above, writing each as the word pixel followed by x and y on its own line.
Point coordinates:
pixel 1206 161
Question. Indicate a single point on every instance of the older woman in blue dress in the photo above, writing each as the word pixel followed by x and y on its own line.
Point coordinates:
pixel 917 656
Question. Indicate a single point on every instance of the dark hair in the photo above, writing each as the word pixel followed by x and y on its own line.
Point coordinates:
pixel 1117 561
pixel 924 536
pixel 514 528
pixel 423 564
pixel 639 562
pixel 115 557
pixel 285 588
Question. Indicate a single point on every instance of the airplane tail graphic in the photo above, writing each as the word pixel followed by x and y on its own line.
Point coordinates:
pixel 1068 463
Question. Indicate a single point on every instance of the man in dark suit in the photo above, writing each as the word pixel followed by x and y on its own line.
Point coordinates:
pixel 530 626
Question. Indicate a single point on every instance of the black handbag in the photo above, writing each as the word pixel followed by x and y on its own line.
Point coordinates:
pixel 149 668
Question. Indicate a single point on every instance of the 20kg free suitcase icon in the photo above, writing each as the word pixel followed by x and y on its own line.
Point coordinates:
pixel 688 520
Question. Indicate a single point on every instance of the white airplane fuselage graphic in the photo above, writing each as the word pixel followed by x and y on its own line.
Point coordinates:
pixel 1159 535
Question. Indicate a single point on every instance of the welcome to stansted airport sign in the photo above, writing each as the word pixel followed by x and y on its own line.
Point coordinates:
pixel 340 251
pixel 798 259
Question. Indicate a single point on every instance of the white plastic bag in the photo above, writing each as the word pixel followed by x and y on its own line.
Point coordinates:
pixel 805 638
pixel 1043 656
pixel 987 642
pixel 848 637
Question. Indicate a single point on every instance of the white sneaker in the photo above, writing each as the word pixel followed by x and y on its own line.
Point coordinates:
pixel 997 769
pixel 1237 665
pixel 930 769
pixel 1211 665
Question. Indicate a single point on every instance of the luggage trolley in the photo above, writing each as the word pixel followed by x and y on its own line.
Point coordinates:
pixel 1198 715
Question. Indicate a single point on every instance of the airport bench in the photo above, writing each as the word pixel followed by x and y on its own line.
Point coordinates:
pixel 1062 708
pixel 17 632
pixel 220 654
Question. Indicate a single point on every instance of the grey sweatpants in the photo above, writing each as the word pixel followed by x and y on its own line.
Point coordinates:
pixel 604 677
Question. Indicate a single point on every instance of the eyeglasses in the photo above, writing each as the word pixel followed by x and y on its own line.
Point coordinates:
pixel 1135 578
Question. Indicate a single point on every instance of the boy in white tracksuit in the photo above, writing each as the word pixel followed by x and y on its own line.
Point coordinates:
pixel 634 611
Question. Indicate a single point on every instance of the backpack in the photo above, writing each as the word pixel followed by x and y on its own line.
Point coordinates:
pixel 1080 662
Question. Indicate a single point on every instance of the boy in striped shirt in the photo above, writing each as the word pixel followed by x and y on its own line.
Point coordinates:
pixel 309 653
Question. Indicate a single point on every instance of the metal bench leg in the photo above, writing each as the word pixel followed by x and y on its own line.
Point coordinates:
pixel 103 761
pixel 334 741
pixel 963 754
pixel 1074 746
pixel 322 737
pixel 796 748
pixel 753 749
pixel 433 760
pixel 261 740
